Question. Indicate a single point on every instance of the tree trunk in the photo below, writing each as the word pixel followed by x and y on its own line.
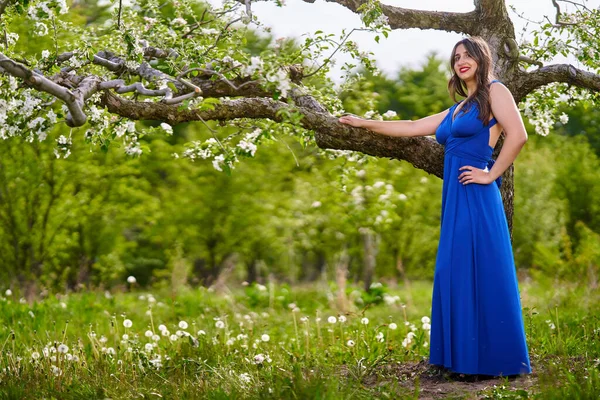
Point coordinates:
pixel 369 258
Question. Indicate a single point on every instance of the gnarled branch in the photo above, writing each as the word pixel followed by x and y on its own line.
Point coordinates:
pixel 423 152
pixel 527 82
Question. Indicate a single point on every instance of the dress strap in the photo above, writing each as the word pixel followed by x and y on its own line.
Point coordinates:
pixel 493 120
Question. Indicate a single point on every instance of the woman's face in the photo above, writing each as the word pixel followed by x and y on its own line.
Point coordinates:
pixel 464 65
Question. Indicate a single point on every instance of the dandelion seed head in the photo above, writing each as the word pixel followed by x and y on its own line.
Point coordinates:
pixel 183 325
pixel 148 333
pixel 393 326
pixel 350 343
pixel 131 279
pixel 332 320
pixel 265 338
pixel 425 320
pixel 220 324
pixel 364 321
pixel 127 323
pixel 201 333
pixel 342 318
pixel 63 348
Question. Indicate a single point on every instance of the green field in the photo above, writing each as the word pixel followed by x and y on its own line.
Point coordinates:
pixel 277 342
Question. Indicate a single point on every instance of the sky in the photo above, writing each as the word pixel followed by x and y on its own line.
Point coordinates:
pixel 403 47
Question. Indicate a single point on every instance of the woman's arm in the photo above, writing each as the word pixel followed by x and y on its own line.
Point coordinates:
pixel 421 127
pixel 507 114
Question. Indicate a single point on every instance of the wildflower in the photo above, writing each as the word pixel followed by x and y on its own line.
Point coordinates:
pixel 148 347
pixel 393 326
pixel 63 348
pixel 425 344
pixel 56 371
pixel 261 288
pixel 426 327
pixel 174 338
pixel 8 292
pixel 259 358
pixel 183 324
pixel 245 378
pixel 45 54
pixel 127 323
pixel 380 337
pixel 230 342
pixel 148 333
pixel 35 355
pixel 156 338
pixel 364 321
pixel 304 319
pixel 265 338
pixel 350 343
pixel 425 320
pixel 110 351
pixel 161 328
pixel 131 279
pixel 342 318
pixel 201 332
pixel 332 320
pixel 125 336
pixel 165 332
pixel 220 324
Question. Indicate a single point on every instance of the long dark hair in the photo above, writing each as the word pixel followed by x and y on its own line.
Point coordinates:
pixel 480 52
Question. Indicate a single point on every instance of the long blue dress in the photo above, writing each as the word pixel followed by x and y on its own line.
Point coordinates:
pixel 476 320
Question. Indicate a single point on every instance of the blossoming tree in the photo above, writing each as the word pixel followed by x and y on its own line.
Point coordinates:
pixel 182 61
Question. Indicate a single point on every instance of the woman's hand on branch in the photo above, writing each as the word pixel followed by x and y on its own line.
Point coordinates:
pixel 352 121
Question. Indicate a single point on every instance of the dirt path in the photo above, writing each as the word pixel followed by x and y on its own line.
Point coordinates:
pixel 434 384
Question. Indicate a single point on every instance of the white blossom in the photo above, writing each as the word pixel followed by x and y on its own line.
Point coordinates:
pixel 167 128
pixel 389 114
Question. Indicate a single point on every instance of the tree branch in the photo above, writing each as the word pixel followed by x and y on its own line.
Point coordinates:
pixel 527 82
pixel 405 18
pixel 423 152
pixel 73 100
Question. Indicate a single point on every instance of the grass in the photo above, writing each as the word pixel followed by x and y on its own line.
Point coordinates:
pixel 277 342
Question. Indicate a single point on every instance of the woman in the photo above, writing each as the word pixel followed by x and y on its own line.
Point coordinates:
pixel 477 325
